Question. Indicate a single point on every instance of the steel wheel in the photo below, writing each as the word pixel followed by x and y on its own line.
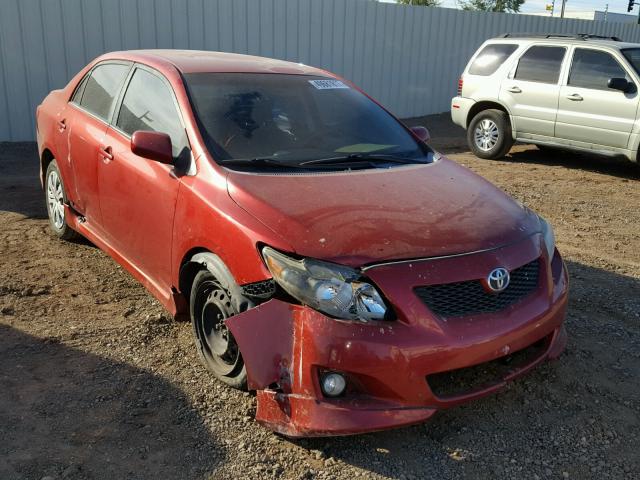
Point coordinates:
pixel 55 199
pixel 211 305
pixel 486 135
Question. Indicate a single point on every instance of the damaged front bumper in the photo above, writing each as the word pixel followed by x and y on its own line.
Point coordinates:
pixel 389 365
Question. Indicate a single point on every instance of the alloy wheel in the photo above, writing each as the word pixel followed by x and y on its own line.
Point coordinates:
pixel 55 199
pixel 486 135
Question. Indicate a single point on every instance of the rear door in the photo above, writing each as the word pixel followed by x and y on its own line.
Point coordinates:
pixel 87 122
pixel 64 119
pixel 531 90
pixel 138 195
pixel 589 111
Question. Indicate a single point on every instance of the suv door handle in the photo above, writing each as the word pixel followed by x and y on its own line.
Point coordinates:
pixel 62 125
pixel 575 97
pixel 106 153
pixel 514 90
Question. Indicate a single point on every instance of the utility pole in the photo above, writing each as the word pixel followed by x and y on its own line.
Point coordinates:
pixel 606 10
pixel 562 10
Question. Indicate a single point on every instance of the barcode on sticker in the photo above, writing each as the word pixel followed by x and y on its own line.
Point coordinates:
pixel 327 84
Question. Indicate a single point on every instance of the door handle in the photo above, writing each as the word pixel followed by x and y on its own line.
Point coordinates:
pixel 62 125
pixel 514 90
pixel 575 97
pixel 106 153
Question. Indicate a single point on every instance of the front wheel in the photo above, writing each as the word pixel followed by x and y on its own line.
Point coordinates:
pixel 489 134
pixel 210 306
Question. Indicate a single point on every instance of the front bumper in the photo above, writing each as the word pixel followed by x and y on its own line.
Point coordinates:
pixel 286 348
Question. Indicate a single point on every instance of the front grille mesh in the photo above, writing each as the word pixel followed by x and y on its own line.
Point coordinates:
pixel 469 298
pixel 262 289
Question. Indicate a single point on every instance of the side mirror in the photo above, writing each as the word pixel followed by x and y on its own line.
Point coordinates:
pixel 621 84
pixel 421 132
pixel 152 145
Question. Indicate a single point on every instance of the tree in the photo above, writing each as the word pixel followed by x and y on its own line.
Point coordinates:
pixel 424 3
pixel 512 6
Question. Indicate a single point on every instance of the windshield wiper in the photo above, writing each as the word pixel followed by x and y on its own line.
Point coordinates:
pixel 361 158
pixel 260 162
pixel 351 159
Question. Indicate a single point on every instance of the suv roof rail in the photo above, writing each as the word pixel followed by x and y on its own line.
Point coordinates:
pixel 574 36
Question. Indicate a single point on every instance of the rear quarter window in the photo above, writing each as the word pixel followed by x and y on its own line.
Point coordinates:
pixel 491 57
pixel 102 87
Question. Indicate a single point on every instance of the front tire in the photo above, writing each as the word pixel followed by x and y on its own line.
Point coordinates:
pixel 489 134
pixel 56 198
pixel 210 304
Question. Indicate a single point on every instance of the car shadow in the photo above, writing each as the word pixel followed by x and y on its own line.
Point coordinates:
pixel 67 413
pixel 20 189
pixel 545 423
pixel 618 167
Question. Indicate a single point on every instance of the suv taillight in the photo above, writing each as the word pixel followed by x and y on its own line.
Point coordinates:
pixel 460 83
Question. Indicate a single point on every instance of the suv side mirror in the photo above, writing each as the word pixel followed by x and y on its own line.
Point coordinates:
pixel 421 132
pixel 152 145
pixel 621 84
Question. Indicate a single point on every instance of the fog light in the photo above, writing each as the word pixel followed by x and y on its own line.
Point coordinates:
pixel 333 384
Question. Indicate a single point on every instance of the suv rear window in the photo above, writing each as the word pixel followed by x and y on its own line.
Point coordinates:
pixel 491 57
pixel 540 64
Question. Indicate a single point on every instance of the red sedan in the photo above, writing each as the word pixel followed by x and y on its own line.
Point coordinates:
pixel 326 255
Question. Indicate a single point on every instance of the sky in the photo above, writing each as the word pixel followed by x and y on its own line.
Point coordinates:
pixel 538 6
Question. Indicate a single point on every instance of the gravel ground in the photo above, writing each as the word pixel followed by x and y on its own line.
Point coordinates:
pixel 97 382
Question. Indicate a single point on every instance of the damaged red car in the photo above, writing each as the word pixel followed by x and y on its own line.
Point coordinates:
pixel 326 256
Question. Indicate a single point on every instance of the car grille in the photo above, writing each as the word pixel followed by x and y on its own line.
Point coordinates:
pixel 262 289
pixel 469 298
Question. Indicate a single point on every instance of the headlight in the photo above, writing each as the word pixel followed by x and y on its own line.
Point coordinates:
pixel 332 289
pixel 549 237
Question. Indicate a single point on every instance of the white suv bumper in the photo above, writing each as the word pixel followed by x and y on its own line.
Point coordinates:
pixel 460 107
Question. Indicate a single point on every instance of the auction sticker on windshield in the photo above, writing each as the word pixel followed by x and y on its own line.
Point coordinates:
pixel 327 84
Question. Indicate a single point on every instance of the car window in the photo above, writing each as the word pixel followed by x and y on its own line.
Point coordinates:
pixel 593 69
pixel 102 87
pixel 148 104
pixel 633 56
pixel 540 64
pixel 77 95
pixel 491 57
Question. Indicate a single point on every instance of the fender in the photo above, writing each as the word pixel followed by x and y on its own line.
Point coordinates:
pixel 217 267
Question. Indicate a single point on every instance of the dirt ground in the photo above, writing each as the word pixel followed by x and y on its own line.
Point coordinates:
pixel 97 382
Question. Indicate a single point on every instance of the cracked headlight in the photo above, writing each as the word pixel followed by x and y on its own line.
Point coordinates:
pixel 332 289
pixel 549 237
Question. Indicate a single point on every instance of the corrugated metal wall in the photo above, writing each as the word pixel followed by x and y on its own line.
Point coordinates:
pixel 409 58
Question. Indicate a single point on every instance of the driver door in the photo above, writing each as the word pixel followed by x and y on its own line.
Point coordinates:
pixel 138 195
pixel 589 111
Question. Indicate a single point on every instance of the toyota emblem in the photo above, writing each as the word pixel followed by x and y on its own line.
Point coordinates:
pixel 498 279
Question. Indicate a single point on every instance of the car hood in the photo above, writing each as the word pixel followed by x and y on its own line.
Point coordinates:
pixel 367 216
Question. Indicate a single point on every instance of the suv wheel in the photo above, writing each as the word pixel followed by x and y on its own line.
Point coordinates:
pixel 56 200
pixel 210 305
pixel 489 134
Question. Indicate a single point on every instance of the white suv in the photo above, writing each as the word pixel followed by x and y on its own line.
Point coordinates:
pixel 570 91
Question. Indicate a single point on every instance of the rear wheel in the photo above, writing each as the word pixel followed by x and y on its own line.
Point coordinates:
pixel 56 197
pixel 489 134
pixel 210 306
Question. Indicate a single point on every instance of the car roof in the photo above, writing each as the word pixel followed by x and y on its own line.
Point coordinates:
pixel 195 61
pixel 568 40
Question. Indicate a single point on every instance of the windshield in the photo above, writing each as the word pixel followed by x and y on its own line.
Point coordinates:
pixel 633 55
pixel 292 119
